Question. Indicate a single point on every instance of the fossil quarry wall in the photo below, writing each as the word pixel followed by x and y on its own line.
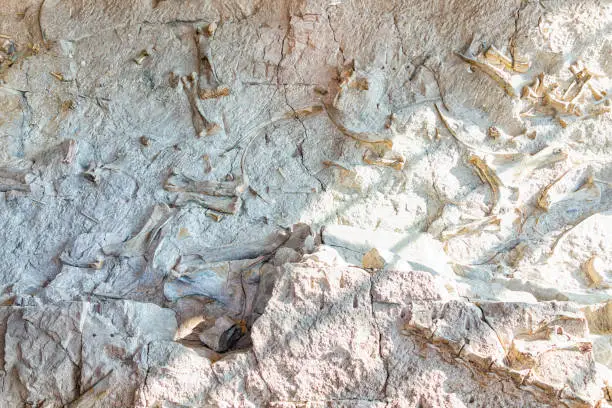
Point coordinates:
pixel 305 203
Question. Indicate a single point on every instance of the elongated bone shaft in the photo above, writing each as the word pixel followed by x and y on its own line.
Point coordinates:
pixel 499 76
pixel 379 146
pixel 247 250
pixel 13 174
pixel 201 125
pixel 208 84
pixel 180 183
pixel 487 175
pixel 14 187
pixel 70 151
pixel 13 179
pixel 227 205
pixel 495 56
pixel 142 241
pixel 395 162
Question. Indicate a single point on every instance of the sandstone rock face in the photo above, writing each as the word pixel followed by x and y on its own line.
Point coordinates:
pixel 305 203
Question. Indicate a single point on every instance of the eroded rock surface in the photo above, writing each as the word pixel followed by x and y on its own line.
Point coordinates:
pixel 372 204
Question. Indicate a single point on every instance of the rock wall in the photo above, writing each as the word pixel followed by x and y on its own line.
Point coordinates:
pixel 305 203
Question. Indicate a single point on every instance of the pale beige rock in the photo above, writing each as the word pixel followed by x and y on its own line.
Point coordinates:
pixel 405 286
pixel 327 119
pixel 319 320
pixel 600 318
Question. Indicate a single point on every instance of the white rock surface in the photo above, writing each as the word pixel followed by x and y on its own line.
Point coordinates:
pixel 327 129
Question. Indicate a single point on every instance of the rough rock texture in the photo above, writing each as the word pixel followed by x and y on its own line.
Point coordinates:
pixel 392 203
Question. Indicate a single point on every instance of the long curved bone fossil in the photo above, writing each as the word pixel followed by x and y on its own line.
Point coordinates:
pixel 502 78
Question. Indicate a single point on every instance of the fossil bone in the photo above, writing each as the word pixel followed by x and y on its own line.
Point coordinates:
pixel 227 205
pixel 201 125
pixel 220 196
pixel 143 240
pixel 389 159
pixel 502 78
pixel 141 57
pixel 379 146
pixel 247 250
pixel 594 270
pixel 181 183
pixel 13 177
pixel 487 175
pixel 495 56
pixel 71 148
pixel 208 83
pixel 490 223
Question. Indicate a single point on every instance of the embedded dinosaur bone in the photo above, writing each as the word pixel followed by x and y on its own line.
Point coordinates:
pixel 180 183
pixel 143 240
pixel 477 334
pixel 561 190
pixel 247 250
pixel 395 160
pixel 254 132
pixel 487 175
pixel 379 146
pixel 593 268
pixel 502 78
pixel 228 282
pixel 227 205
pixel 546 96
pixel 201 125
pixel 574 90
pixel 490 223
pixel 13 178
pixel 514 172
pixel 454 127
pixel 208 84
pixel 14 187
pixel 495 56
pixel 221 196
pixel 71 149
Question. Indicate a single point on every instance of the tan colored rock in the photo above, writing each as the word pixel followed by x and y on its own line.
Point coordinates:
pixel 373 260
pixel 327 117
pixel 600 318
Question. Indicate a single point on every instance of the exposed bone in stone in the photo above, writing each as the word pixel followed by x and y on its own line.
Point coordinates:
pixel 143 240
pixel 316 114
pixel 594 270
pixel 208 83
pixel 247 250
pixel 220 196
pixel 13 178
pixel 221 281
pixel 201 125
pixel 502 78
pixel 214 188
pixel 222 335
